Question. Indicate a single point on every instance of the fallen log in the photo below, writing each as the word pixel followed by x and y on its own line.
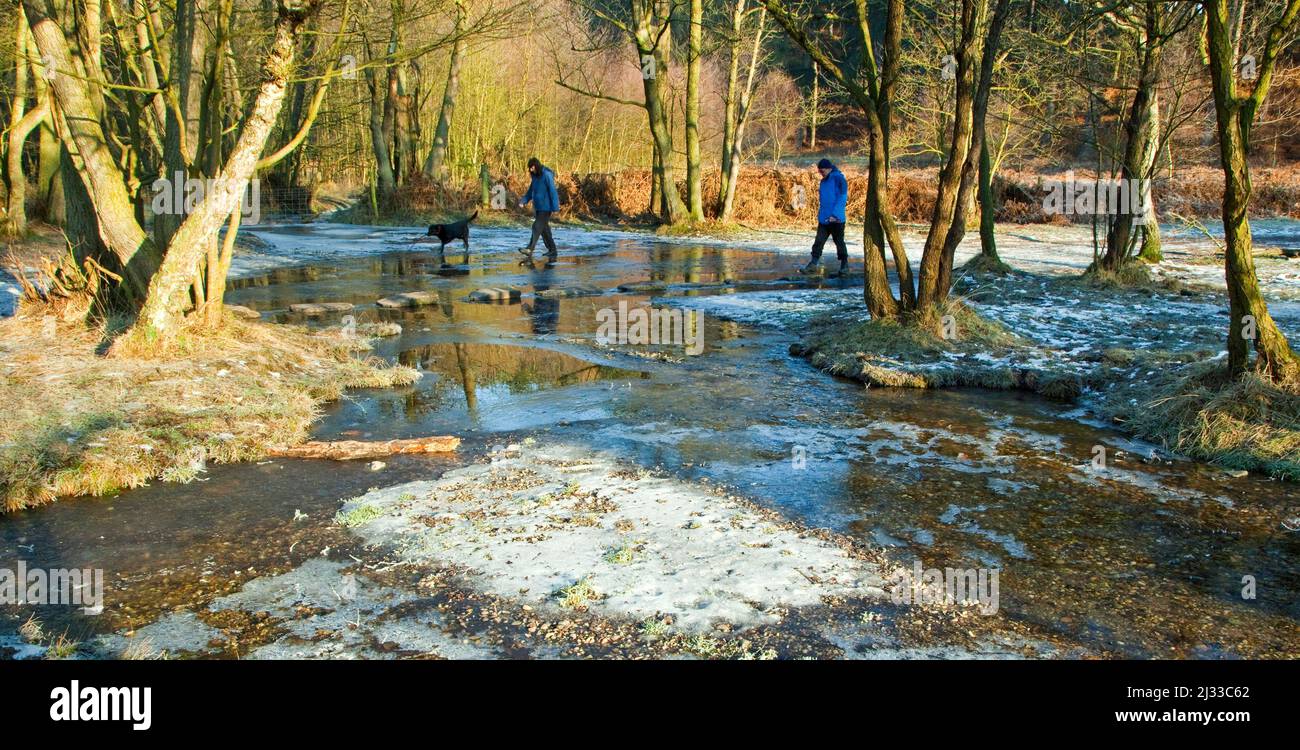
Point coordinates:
pixel 343 450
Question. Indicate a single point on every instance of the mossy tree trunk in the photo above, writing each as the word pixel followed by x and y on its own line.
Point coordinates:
pixel 988 203
pixel 978 166
pixel 1145 26
pixel 21 124
pixel 1235 115
pixel 133 250
pixel 385 179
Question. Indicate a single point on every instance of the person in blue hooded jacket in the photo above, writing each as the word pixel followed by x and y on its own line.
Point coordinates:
pixel 546 201
pixel 833 199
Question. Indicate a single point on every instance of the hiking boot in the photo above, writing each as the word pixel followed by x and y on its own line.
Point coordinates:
pixel 844 268
pixel 527 252
pixel 813 267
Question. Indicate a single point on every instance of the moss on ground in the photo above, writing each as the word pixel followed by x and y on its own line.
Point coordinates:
pixel 914 352
pixel 983 265
pixel 78 422
pixel 1132 275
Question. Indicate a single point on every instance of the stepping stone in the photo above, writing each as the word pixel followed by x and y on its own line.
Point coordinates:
pixel 579 291
pixel 409 299
pixel 320 308
pixel 453 271
pixel 1291 252
pixel 247 313
pixel 643 286
pixel 495 294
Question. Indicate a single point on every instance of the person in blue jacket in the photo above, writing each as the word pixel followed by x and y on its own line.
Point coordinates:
pixel 546 201
pixel 833 198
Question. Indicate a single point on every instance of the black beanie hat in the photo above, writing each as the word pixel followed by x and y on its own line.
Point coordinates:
pixel 825 164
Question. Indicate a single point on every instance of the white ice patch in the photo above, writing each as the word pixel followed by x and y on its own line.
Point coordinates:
pixel 639 546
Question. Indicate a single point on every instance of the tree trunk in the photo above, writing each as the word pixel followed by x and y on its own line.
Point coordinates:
pixel 1141 136
pixel 978 159
pixel 694 57
pixel 812 120
pixel 737 108
pixel 730 104
pixel 385 180
pixel 182 119
pixel 135 254
pixel 435 167
pixel 935 265
pixel 21 123
pixel 988 204
pixel 80 225
pixel 1234 116
pixel 650 19
pixel 163 310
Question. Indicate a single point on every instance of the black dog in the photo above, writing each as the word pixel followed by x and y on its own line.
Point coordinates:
pixel 456 231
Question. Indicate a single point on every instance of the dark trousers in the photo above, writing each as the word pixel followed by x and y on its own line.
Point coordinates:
pixel 834 230
pixel 542 228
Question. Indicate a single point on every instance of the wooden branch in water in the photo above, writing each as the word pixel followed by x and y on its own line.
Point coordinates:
pixel 342 450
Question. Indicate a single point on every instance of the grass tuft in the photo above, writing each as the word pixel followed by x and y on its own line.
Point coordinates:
pixel 578 595
pixel 1133 274
pixel 357 516
pixel 984 265
pixel 1249 423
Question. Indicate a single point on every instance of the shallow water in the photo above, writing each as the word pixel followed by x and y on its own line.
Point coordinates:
pixel 1144 558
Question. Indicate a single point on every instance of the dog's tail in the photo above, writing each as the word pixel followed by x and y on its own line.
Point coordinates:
pixel 472 216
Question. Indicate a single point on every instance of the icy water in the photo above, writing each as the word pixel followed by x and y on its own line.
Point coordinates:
pixel 1146 558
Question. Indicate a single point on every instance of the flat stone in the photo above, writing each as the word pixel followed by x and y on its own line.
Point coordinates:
pixel 580 291
pixel 320 308
pixel 409 299
pixel 643 286
pixel 247 313
pixel 495 294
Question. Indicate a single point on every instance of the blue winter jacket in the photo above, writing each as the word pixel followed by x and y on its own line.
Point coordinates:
pixel 542 192
pixel 833 197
